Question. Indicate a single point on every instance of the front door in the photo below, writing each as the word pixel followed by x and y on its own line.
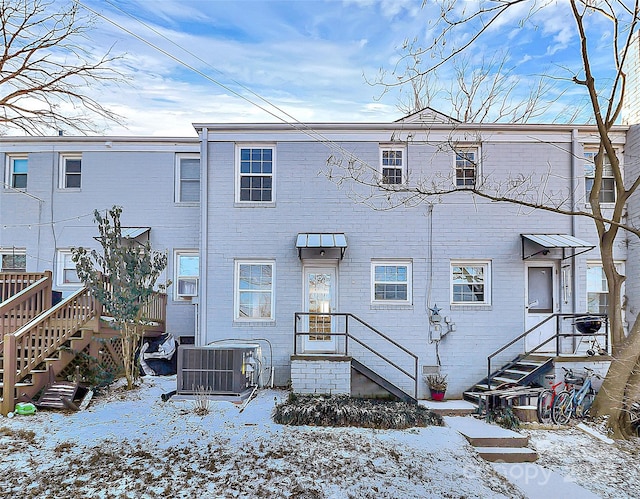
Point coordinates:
pixel 541 301
pixel 320 300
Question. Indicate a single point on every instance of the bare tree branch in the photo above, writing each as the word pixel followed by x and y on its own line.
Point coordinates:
pixel 46 71
pixel 472 21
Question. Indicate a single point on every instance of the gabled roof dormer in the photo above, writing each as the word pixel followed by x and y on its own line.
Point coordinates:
pixel 427 115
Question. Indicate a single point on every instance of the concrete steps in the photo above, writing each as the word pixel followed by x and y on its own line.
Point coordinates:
pixel 450 407
pixel 507 455
pixel 492 442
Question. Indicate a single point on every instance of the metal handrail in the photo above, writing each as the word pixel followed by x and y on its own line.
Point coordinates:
pixel 347 335
pixel 556 336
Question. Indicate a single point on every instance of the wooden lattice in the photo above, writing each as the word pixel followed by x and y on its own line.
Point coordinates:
pixel 106 349
pixel 111 353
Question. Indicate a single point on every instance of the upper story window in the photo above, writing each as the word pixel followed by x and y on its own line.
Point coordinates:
pixel 187 271
pixel 466 167
pixel 187 178
pixel 392 165
pixel 608 186
pixel 391 281
pixel 70 171
pixel 597 289
pixel 254 290
pixel 17 168
pixel 255 174
pixel 470 283
pixel 13 260
pixel 66 274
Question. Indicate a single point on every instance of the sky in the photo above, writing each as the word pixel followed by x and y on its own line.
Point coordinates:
pixel 216 61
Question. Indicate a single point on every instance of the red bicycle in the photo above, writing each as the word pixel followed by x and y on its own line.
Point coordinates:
pixel 547 396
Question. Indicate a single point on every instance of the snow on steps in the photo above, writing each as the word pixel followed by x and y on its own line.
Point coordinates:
pixel 492 442
pixel 451 407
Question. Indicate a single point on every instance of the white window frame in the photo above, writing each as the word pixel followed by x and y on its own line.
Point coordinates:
pixel 64 263
pixel 239 175
pixel 62 184
pixel 10 171
pixel 408 264
pixel 187 278
pixel 179 180
pixel 598 264
pixel 12 252
pixel 402 166
pixel 589 157
pixel 458 153
pixel 486 266
pixel 237 291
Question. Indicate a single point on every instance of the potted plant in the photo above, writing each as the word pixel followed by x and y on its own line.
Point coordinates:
pixel 437 385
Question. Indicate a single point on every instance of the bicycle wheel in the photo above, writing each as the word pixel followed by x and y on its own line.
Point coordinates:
pixel 583 405
pixel 545 399
pixel 562 408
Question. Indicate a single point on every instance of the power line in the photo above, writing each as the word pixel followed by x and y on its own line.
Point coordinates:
pixel 294 123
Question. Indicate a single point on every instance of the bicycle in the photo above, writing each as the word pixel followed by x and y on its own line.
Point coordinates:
pixel 548 395
pixel 574 402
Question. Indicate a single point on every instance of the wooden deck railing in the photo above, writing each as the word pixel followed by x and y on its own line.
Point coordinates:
pixel 38 337
pixel 28 303
pixel 11 283
pixel 155 310
pixel 29 346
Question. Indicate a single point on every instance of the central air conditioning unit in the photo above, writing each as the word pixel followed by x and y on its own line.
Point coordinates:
pixel 225 371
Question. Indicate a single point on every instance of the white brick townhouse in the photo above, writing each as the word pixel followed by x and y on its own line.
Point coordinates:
pixel 52 185
pixel 279 238
pixel 263 245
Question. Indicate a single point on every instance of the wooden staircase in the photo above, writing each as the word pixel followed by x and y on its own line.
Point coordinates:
pixel 522 370
pixel 29 351
pixel 36 338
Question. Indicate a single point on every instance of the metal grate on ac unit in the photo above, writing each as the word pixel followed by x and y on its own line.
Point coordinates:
pixel 227 371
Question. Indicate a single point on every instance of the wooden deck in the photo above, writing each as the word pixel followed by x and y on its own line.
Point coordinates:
pixel 37 337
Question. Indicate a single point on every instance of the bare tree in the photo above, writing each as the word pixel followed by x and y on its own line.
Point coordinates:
pixel 478 92
pixel 46 71
pixel 605 105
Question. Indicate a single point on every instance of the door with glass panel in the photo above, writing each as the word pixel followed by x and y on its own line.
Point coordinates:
pixel 320 300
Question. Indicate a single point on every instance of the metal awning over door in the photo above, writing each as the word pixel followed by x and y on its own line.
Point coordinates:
pixel 134 232
pixel 554 241
pixel 321 241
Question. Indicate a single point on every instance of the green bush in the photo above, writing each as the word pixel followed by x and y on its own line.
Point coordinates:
pixel 504 416
pixel 342 410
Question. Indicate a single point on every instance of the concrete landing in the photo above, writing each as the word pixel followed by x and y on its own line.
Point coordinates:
pixel 450 407
pixel 482 434
pixel 541 483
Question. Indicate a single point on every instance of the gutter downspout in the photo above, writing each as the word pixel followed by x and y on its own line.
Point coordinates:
pixel 575 164
pixel 204 237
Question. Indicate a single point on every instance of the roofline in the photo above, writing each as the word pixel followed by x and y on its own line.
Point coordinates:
pixel 97 139
pixel 498 127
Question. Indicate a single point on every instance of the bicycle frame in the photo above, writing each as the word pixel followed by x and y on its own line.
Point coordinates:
pixel 574 402
pixel 548 396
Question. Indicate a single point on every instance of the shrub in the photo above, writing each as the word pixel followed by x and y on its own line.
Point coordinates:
pixel 343 410
pixel 504 416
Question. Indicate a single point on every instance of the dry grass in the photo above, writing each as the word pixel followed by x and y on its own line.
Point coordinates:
pixel 26 435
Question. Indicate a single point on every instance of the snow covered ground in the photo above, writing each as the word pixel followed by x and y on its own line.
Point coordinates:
pixel 131 444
